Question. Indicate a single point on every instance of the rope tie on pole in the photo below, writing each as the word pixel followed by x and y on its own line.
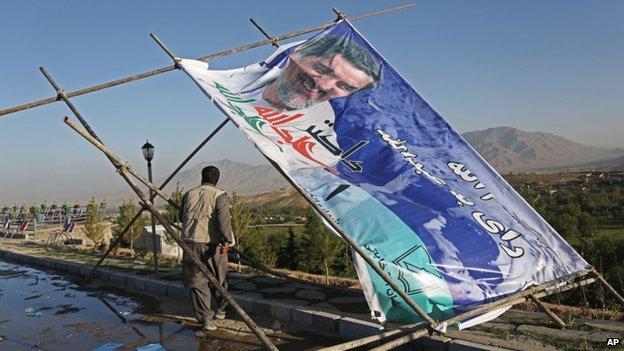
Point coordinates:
pixel 274 41
pixel 340 15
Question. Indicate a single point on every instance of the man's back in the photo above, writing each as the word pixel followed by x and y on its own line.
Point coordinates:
pixel 205 215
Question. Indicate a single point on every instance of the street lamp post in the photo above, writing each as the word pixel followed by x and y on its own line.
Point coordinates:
pixel 148 154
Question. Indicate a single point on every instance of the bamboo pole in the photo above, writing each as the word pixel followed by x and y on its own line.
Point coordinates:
pixel 150 207
pixel 612 290
pixel 274 41
pixel 158 71
pixel 415 329
pixel 518 298
pixel 62 96
pixel 547 310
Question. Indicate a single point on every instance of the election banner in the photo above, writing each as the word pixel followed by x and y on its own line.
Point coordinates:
pixel 353 134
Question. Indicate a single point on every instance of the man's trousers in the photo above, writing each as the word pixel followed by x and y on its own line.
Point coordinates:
pixel 194 279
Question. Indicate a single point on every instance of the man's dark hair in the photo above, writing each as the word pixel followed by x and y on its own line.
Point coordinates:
pixel 210 174
pixel 330 45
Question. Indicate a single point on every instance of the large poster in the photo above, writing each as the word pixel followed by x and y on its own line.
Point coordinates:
pixel 355 136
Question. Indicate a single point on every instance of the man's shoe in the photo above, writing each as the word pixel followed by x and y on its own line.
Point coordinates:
pixel 220 314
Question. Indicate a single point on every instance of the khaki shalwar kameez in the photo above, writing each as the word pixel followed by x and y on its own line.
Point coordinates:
pixel 205 216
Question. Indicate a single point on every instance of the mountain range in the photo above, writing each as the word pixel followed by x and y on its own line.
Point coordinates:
pixel 506 149
pixel 511 150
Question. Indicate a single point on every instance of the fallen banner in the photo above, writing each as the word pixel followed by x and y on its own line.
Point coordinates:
pixel 350 132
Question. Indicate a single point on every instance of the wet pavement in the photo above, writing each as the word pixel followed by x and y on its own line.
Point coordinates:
pixel 42 310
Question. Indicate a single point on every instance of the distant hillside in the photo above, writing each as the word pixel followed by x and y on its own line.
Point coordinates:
pixel 509 149
pixel 236 177
pixel 277 198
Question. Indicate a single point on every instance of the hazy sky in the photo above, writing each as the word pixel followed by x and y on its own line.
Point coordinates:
pixel 553 66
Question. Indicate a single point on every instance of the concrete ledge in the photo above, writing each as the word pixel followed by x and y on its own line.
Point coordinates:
pixel 351 328
pixel 102 274
pixel 73 268
pixel 246 301
pixel 48 263
pixel 118 279
pixel 137 283
pixel 261 307
pixel 178 291
pixel 283 309
pixel 85 270
pixel 156 287
pixel 294 311
pixel 463 345
pixel 323 322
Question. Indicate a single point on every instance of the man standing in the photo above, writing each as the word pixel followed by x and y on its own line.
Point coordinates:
pixel 206 228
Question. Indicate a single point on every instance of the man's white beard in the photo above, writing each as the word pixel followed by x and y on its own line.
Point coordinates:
pixel 287 96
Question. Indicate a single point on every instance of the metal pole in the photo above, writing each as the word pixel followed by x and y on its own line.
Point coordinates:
pixel 150 207
pixel 207 58
pixel 151 192
pixel 121 234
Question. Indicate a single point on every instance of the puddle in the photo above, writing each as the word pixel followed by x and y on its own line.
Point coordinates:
pixel 44 311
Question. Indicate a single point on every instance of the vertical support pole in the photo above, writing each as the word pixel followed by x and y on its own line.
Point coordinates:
pixel 547 310
pixel 154 248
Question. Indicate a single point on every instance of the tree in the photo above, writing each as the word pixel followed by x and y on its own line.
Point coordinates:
pixel 343 264
pixel 320 245
pixel 288 255
pixel 172 214
pixel 94 228
pixel 127 211
pixel 241 219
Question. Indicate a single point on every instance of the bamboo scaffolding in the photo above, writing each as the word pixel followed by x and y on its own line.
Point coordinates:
pixel 374 264
pixel 122 170
pixel 158 71
pixel 412 332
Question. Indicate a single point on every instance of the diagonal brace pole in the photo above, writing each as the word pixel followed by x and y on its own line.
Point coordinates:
pixel 561 324
pixel 185 248
pixel 62 96
pixel 611 289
